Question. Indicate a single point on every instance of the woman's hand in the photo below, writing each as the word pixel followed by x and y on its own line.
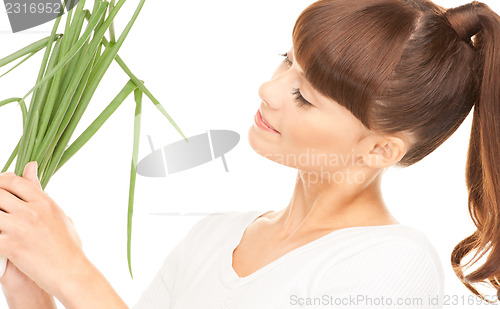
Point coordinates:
pixel 36 235
pixel 40 240
pixel 19 290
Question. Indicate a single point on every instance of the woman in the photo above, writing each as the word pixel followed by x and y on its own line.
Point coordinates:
pixel 368 84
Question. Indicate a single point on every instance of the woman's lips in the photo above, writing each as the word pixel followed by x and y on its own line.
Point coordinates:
pixel 262 123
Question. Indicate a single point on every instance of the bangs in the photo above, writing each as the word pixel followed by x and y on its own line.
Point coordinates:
pixel 348 49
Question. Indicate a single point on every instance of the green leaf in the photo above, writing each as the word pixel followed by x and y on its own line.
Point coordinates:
pixel 96 124
pixel 21 104
pixel 86 35
pixel 32 48
pixel 145 90
pixel 133 173
pixel 18 64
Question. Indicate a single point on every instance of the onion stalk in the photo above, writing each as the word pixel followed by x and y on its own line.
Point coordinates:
pixel 72 67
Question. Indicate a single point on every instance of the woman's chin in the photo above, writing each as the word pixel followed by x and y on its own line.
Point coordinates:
pixel 266 148
pixel 257 142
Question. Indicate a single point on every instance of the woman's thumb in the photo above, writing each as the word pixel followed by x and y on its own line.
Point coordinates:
pixel 30 172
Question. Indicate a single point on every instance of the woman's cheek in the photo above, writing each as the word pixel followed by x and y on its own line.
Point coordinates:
pixel 312 132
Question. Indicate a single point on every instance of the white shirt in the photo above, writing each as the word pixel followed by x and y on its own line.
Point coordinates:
pixel 385 266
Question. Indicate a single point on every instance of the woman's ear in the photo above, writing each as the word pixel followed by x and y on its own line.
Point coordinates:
pixel 383 151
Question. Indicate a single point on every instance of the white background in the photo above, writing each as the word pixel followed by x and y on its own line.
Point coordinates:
pixel 204 61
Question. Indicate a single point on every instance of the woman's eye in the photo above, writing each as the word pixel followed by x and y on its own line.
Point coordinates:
pixel 286 60
pixel 301 101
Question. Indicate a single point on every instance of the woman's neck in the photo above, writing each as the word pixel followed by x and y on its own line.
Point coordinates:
pixel 319 205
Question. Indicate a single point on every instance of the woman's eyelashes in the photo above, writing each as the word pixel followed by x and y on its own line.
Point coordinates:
pixel 286 60
pixel 301 101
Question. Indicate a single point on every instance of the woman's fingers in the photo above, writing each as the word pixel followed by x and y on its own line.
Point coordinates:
pixel 35 233
pixel 21 187
pixel 30 173
pixel 3 244
pixel 9 202
pixel 5 223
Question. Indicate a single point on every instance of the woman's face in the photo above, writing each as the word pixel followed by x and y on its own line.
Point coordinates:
pixel 313 132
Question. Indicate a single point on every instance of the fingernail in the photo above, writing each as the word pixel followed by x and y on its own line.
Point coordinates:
pixel 36 167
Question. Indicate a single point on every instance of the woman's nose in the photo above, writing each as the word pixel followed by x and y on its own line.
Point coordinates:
pixel 273 91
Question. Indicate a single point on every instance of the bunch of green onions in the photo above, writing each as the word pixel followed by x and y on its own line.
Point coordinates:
pixel 72 67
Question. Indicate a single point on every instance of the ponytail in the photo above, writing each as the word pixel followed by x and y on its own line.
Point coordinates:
pixel 483 166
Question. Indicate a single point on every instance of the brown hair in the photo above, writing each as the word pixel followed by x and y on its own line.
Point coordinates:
pixel 410 66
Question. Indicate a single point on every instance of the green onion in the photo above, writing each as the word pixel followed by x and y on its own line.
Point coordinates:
pixel 71 70
pixel 135 152
pixel 18 64
pixel 21 104
pixel 32 48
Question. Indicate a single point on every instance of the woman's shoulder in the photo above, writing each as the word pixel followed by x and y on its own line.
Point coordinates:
pixel 400 257
pixel 380 239
pixel 226 217
pixel 221 223
pixel 391 244
pixel 397 261
pixel 398 234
